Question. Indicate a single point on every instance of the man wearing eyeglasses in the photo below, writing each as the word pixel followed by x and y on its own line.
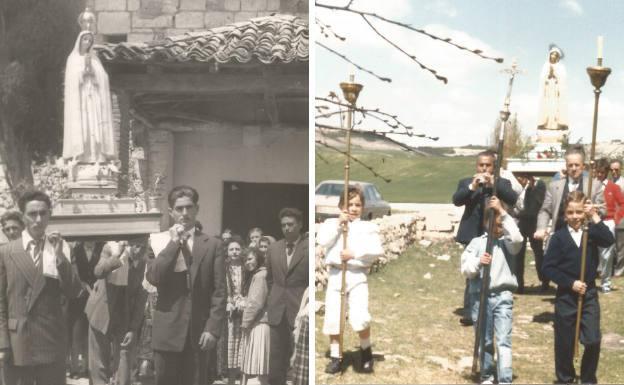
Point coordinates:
pixel 36 276
pixel 12 225
pixel 188 270
pixel 615 167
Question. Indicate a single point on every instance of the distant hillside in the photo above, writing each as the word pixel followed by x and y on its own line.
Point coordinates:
pixel 415 178
pixel 363 141
pixel 369 141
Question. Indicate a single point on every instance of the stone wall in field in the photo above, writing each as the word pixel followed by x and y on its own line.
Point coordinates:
pixel 398 232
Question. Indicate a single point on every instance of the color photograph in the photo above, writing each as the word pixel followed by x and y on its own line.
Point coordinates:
pixel 468 199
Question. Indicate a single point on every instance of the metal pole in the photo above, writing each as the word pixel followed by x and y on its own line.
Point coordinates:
pixel 351 92
pixel 598 76
pixel 478 349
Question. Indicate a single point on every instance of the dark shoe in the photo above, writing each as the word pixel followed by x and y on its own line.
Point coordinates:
pixel 367 360
pixel 334 366
pixel 465 321
pixel 545 286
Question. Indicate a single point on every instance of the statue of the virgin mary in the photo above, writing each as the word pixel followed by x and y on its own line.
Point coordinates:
pixel 88 127
pixel 553 114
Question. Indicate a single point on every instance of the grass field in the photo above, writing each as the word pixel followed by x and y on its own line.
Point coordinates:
pixel 414 178
pixel 415 328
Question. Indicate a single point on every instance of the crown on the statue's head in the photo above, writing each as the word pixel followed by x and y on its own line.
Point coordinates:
pixel 86 20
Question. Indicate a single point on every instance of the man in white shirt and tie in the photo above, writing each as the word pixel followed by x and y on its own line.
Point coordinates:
pixel 36 276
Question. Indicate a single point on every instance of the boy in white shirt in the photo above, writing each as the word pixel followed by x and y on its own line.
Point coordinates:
pixel 363 248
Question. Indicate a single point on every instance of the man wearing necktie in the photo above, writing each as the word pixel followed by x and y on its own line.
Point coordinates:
pixel 551 212
pixel 36 277
pixel 287 277
pixel 187 268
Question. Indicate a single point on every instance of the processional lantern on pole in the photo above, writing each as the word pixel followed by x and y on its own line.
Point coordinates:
pixel 351 91
pixel 479 343
pixel 598 77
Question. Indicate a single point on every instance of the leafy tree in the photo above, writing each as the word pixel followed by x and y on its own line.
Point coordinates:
pixel 36 36
pixel 516 144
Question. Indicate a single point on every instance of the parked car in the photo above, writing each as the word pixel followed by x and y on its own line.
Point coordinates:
pixel 327 195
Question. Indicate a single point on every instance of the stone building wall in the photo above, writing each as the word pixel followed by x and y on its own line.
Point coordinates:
pixel 147 20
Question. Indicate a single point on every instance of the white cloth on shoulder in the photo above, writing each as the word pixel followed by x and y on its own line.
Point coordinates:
pixel 49 259
pixel 119 276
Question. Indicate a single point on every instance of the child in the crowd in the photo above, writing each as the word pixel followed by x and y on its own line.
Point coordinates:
pixel 254 236
pixel 498 320
pixel 562 265
pixel 363 248
pixel 256 331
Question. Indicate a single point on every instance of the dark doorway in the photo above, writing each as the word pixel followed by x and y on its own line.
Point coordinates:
pixel 247 205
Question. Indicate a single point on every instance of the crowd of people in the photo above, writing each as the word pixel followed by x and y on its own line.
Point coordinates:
pixel 179 307
pixel 552 219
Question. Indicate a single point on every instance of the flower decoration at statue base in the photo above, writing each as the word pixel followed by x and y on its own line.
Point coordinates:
pixel 153 194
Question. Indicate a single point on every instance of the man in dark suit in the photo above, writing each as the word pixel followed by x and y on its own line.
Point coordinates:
pixel 35 275
pixel 86 256
pixel 287 276
pixel 188 271
pixel 532 199
pixel 472 193
pixel 115 311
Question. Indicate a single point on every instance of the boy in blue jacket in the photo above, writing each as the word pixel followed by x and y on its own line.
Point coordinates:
pixel 562 265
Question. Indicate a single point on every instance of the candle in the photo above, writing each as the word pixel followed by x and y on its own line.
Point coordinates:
pixel 351 73
pixel 600 45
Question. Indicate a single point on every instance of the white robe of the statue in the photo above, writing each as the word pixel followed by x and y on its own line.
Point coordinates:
pixel 553 114
pixel 88 125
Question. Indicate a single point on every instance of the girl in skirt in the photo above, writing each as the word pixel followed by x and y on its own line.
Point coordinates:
pixel 256 332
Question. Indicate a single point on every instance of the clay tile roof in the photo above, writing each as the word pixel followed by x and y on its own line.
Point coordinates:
pixel 269 39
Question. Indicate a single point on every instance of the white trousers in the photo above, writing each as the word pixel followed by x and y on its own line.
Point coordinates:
pixel 357 308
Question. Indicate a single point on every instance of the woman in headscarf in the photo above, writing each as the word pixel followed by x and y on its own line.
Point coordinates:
pixel 234 305
pixel 88 125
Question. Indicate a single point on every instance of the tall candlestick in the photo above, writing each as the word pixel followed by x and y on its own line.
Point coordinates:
pixel 351 74
pixel 600 46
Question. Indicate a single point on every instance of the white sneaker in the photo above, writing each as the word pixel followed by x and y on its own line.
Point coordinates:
pixel 487 382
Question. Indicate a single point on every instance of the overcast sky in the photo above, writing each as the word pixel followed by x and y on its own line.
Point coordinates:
pixel 464 110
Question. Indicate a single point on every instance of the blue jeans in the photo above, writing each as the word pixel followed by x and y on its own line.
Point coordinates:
pixel 499 318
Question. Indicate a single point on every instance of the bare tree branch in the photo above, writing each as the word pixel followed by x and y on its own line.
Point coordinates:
pixel 343 57
pixel 327 30
pixel 347 8
pixel 413 57
pixel 382 134
pixel 369 168
pixel 392 122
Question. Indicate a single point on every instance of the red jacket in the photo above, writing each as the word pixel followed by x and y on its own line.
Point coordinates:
pixel 614 200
